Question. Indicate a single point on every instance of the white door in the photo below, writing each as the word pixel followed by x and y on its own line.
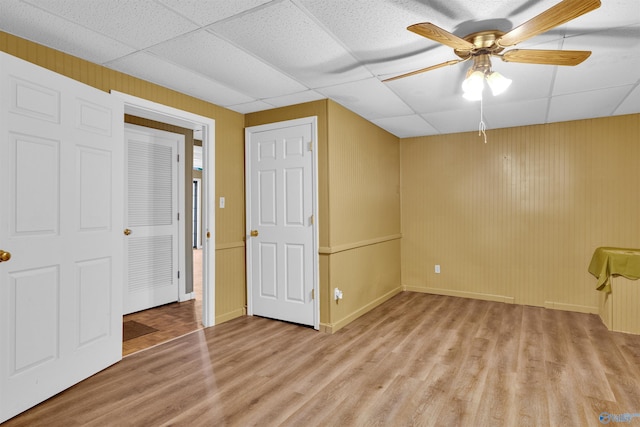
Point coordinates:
pixel 281 233
pixel 61 168
pixel 152 241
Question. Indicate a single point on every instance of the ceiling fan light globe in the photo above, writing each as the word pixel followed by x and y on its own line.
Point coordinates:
pixel 498 83
pixel 472 95
pixel 474 82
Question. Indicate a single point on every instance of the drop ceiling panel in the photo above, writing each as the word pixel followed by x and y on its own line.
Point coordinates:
pixel 250 107
pixel 586 105
pixel 210 56
pixel 631 104
pixel 294 98
pixel 375 31
pixel 433 91
pixel 464 120
pixel 597 72
pixel 516 113
pixel 369 98
pixel 35 24
pixel 207 12
pixel 406 126
pixel 145 66
pixel 136 23
pixel 292 42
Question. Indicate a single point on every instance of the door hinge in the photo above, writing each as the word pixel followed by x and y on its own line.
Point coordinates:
pixel 178 158
pixel 178 274
pixel 311 146
pixel 313 294
pixel 178 216
pixel 312 220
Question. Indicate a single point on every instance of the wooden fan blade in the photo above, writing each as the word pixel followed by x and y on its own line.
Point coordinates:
pixel 424 70
pixel 435 33
pixel 546 57
pixel 562 12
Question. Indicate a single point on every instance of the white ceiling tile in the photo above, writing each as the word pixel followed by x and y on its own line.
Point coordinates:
pixel 464 120
pixel 519 113
pixel 375 31
pixel 251 107
pixel 292 42
pixel 137 23
pixel 610 64
pixel 212 57
pixel 144 65
pixel 631 104
pixel 406 126
pixel 432 91
pixel 294 98
pixel 35 24
pixel 370 98
pixel 586 105
pixel 207 12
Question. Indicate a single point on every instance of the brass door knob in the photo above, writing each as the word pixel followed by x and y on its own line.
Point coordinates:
pixel 254 233
pixel 4 256
pixel 127 231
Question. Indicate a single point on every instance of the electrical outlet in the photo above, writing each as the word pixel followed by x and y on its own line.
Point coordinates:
pixel 221 202
pixel 337 294
pixel 437 269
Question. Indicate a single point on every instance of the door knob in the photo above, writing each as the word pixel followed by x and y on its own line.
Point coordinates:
pixel 127 231
pixel 254 233
pixel 4 256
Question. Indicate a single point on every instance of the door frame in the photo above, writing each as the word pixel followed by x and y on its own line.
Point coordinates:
pixel 313 121
pixel 162 113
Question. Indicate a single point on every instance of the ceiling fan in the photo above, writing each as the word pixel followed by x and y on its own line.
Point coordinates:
pixel 480 46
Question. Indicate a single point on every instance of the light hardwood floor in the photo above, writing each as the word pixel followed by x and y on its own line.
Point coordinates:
pixel 418 359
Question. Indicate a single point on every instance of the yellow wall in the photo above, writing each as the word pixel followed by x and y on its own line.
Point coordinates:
pixel 363 251
pixel 517 219
pixel 359 209
pixel 230 283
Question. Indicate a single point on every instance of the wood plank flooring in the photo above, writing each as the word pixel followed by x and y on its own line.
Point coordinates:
pixel 418 359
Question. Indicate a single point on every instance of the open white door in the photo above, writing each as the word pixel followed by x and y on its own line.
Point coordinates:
pixel 282 242
pixel 154 246
pixel 61 168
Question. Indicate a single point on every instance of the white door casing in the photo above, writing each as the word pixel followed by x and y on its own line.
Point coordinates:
pixel 154 203
pixel 61 168
pixel 162 113
pixel 281 212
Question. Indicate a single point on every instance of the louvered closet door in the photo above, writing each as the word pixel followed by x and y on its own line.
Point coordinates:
pixel 151 243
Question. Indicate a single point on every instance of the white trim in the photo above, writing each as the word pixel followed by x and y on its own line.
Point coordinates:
pixel 313 121
pixel 158 112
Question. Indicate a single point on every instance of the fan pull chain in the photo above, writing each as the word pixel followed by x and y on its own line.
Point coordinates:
pixel 482 127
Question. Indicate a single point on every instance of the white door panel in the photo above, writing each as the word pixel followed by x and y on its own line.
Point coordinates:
pixel 281 259
pixel 61 219
pixel 152 248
